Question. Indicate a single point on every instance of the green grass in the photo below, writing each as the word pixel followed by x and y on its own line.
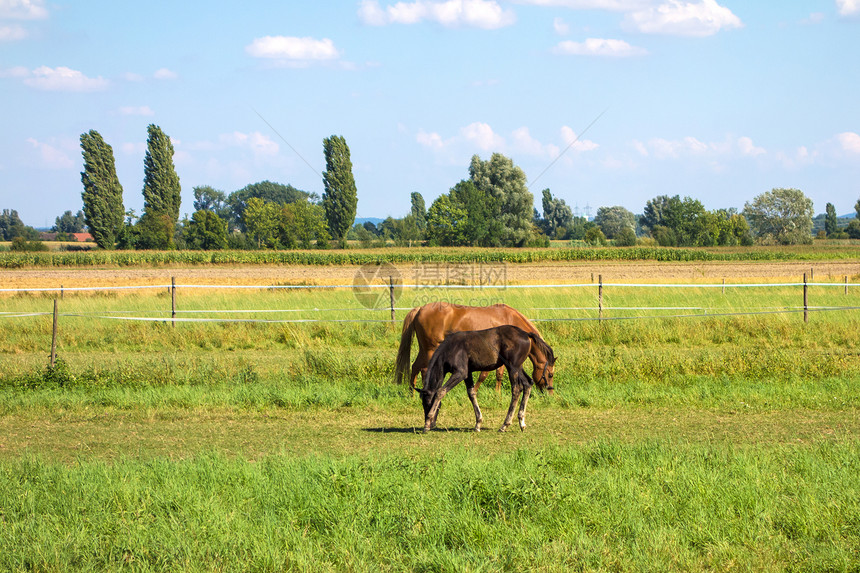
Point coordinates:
pixel 605 505
pixel 725 441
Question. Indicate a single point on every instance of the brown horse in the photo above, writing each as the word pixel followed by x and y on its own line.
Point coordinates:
pixel 462 353
pixel 431 323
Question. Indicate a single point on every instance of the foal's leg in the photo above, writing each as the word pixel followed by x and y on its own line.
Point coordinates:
pixel 457 376
pixel 516 387
pixel 499 377
pixel 527 382
pixel 472 391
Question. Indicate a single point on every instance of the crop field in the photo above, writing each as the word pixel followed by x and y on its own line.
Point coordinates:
pixel 694 426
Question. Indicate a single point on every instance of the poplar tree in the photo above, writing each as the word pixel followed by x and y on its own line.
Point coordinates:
pixel 161 191
pixel 102 194
pixel 340 197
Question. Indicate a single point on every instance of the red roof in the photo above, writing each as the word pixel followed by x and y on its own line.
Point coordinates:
pixel 82 237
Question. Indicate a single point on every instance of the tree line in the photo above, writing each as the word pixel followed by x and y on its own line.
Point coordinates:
pixel 493 207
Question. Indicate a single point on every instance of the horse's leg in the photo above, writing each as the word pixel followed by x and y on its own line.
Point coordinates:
pixel 430 420
pixel 525 400
pixel 516 388
pixel 481 377
pixel 420 365
pixel 499 376
pixel 472 391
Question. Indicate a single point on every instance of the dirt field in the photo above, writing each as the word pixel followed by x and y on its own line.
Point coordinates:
pixel 538 273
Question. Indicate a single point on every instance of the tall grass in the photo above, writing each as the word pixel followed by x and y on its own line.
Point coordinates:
pixel 605 505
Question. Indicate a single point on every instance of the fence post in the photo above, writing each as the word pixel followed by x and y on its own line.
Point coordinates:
pixel 391 296
pixel 724 286
pixel 62 292
pixel 54 337
pixel 846 284
pixel 805 300
pixel 173 301
pixel 600 297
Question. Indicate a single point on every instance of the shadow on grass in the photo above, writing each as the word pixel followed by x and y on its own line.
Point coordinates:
pixel 415 430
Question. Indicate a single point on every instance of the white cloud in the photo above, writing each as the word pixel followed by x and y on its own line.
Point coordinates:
pixel 610 5
pixel 746 146
pixel 16 72
pixel 486 14
pixel 849 141
pixel 12 33
pixel 572 140
pixel 23 10
pixel 660 148
pixel 143 110
pixel 64 79
pixel 482 135
pixel 678 18
pixel 599 47
pixel 165 74
pixel 258 143
pixel 560 26
pixel 432 140
pixel 292 49
pixel 52 155
pixel 848 7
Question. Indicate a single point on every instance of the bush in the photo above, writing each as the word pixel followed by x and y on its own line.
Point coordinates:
pixel 20 244
pixel 626 237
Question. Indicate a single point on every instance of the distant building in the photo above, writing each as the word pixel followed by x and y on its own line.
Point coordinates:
pixel 79 237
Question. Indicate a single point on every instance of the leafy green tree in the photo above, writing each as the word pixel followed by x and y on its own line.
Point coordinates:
pixel 206 231
pixel 612 220
pixel 557 216
pixel 853 229
pixel 594 236
pixel 268 191
pixel 102 194
pixel 207 198
pixel 68 223
pixel 419 211
pixel 161 191
pixel 446 221
pixel 781 216
pixel 479 229
pixel 654 212
pixel 511 203
pixel 304 224
pixel 263 220
pixel 340 198
pixel 626 237
pixel 831 222
pixel 12 226
pixel 857 209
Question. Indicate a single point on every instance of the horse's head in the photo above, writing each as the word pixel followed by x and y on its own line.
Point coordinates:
pixel 543 375
pixel 426 400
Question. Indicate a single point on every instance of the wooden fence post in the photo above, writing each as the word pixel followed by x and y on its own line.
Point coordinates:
pixel 391 296
pixel 54 337
pixel 173 301
pixel 846 284
pixel 805 300
pixel 724 286
pixel 600 297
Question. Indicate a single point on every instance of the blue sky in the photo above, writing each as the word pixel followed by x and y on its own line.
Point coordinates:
pixel 719 100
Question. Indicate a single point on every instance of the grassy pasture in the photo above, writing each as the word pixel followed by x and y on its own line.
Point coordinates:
pixel 715 431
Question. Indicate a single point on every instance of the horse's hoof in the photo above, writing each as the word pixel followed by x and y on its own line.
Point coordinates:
pixel 503 428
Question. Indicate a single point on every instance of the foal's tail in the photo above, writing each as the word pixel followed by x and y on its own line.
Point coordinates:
pixel 401 368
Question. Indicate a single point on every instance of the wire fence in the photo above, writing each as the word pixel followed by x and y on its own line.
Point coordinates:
pixel 363 314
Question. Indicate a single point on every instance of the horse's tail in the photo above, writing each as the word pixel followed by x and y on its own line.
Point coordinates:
pixel 545 348
pixel 401 368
